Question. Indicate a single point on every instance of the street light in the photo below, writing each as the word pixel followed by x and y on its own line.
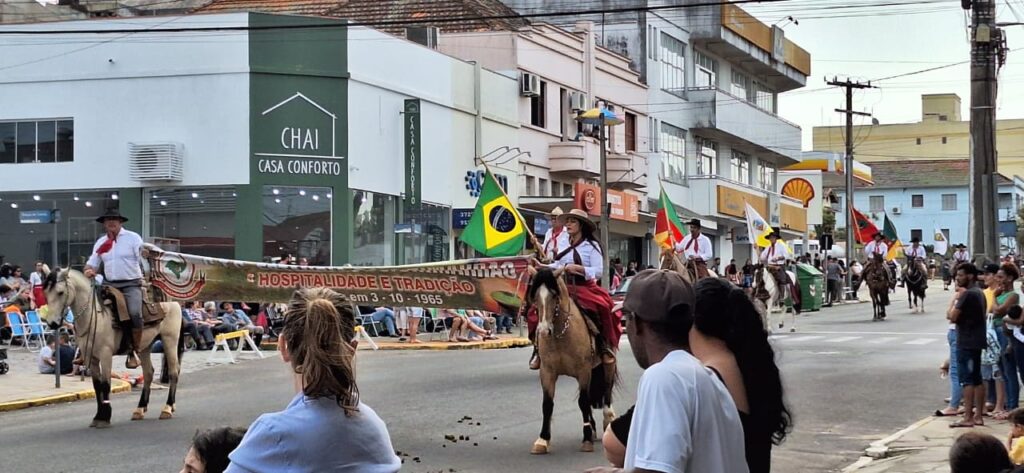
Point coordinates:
pixel 602 117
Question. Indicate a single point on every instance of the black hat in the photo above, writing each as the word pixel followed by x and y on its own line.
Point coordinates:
pixel 878 234
pixel 990 268
pixel 112 214
pixel 775 233
pixel 695 222
pixel 961 246
pixel 915 240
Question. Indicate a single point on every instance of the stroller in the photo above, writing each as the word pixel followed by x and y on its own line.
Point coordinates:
pixel 4 367
pixel 275 320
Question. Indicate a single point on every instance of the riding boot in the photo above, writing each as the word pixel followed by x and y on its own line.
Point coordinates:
pixel 133 357
pixel 535 360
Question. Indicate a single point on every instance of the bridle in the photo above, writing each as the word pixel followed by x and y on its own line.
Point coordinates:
pixel 69 301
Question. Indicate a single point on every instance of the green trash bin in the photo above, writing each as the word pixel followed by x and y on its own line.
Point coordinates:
pixel 812 287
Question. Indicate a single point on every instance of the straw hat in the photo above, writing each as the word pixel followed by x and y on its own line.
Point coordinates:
pixel 583 218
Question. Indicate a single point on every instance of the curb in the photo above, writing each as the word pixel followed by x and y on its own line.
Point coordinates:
pixel 439 346
pixel 117 386
pixel 879 449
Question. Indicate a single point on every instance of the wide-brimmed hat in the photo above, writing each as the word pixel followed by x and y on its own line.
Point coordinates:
pixel 583 217
pixel 776 232
pixel 877 234
pixel 960 246
pixel 915 240
pixel 556 212
pixel 695 222
pixel 112 214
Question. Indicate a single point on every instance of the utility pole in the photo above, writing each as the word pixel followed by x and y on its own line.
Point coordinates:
pixel 848 168
pixel 988 52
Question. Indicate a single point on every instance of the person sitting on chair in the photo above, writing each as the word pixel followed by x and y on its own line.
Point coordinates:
pixel 915 256
pixel 875 252
pixel 696 250
pixel 119 253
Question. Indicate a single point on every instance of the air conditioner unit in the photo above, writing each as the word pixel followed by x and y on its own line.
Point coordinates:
pixel 896 210
pixel 578 101
pixel 155 161
pixel 529 85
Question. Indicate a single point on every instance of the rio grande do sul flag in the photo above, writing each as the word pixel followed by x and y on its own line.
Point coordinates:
pixel 495 229
pixel 864 229
pixel 668 230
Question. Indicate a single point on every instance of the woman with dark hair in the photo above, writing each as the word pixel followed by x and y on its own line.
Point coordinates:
pixel 729 338
pixel 975 452
pixel 325 427
pixel 210 449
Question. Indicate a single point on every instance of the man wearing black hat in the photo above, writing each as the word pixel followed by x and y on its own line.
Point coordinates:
pixel 118 254
pixel 915 256
pixel 696 249
pixel 875 252
pixel 960 256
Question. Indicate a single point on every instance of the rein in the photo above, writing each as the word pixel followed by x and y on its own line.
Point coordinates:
pixel 92 319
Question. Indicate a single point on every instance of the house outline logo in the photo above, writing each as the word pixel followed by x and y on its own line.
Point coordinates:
pixel 334 121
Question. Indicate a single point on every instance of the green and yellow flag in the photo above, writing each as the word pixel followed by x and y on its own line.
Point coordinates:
pixel 496 228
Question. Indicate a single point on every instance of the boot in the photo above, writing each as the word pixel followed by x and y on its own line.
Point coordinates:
pixel 535 360
pixel 133 357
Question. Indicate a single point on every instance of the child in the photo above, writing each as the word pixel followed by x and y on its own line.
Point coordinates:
pixel 1015 445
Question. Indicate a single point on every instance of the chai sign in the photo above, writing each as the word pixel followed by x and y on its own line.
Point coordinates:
pixel 306 139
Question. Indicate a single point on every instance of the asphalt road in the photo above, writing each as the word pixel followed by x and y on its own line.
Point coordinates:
pixel 848 380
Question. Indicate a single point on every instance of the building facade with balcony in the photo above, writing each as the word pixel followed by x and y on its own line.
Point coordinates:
pixel 562 72
pixel 925 196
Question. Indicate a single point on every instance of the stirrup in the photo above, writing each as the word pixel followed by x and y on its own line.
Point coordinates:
pixel 133 359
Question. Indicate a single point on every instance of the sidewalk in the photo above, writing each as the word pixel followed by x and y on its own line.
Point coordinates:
pixel 388 343
pixel 922 447
pixel 21 388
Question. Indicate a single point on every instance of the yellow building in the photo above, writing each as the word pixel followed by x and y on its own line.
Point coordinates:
pixel 941 134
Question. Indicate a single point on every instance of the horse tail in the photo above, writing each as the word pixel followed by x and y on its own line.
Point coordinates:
pixel 602 383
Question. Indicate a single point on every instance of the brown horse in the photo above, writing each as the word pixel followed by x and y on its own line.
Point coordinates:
pixel 99 338
pixel 877 279
pixel 565 341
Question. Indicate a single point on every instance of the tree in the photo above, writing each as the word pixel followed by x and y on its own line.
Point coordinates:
pixel 828 223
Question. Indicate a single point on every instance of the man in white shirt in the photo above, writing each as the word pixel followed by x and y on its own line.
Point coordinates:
pixel 696 249
pixel 915 256
pixel 556 238
pixel 960 255
pixel 875 252
pixel 774 257
pixel 118 254
pixel 684 421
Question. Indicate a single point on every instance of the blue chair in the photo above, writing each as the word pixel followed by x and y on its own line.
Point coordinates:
pixel 36 326
pixel 21 329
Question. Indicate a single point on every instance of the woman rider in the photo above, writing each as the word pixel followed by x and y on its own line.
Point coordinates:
pixel 584 264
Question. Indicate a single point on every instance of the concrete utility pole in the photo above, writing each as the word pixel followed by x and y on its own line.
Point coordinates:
pixel 988 49
pixel 848 168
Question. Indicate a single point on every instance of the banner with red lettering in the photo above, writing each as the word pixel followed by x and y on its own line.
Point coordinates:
pixel 491 284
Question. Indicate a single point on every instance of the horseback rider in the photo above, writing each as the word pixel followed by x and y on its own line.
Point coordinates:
pixel 556 238
pixel 915 256
pixel 875 252
pixel 774 257
pixel 583 261
pixel 696 249
pixel 960 256
pixel 119 253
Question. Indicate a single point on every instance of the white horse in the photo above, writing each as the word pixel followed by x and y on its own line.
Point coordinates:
pixel 776 301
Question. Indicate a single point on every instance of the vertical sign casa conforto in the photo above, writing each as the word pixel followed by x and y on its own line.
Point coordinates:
pixel 411 119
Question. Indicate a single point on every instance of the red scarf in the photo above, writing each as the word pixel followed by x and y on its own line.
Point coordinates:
pixel 106 246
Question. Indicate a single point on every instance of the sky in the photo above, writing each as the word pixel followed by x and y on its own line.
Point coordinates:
pixel 867 43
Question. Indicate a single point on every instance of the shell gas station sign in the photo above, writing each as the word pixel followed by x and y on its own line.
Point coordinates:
pixel 804 186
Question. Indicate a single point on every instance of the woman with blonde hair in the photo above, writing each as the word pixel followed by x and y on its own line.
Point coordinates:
pixel 325 427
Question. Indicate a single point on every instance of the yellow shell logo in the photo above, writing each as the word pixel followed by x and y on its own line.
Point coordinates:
pixel 799 189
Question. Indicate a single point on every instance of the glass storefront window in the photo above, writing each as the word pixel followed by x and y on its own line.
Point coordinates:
pixel 23 244
pixel 373 229
pixel 297 223
pixel 425 237
pixel 194 220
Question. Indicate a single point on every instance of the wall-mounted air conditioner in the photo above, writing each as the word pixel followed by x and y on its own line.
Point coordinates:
pixel 529 85
pixel 155 161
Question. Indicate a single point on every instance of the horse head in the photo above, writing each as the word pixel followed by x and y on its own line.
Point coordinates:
pixel 61 287
pixel 549 295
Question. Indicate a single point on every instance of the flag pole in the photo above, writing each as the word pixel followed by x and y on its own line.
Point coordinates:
pixel 533 238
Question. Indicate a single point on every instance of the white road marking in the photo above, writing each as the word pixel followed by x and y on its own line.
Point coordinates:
pixel 841 339
pixel 883 340
pixel 804 338
pixel 920 341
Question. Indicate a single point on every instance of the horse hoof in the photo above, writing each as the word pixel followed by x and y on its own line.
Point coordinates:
pixel 792 330
pixel 166 413
pixel 138 414
pixel 540 447
pixel 587 447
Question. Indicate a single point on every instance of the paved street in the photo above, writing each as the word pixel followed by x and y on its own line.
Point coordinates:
pixel 849 381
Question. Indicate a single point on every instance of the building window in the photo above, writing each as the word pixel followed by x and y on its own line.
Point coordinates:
pixel 767 175
pixel 538 112
pixel 943 140
pixel 673 152
pixel 428 240
pixel 706 75
pixel 652 142
pixel 948 201
pixel 740 167
pixel 740 85
pixel 945 233
pixel 764 97
pixel 38 141
pixel 373 228
pixel 917 201
pixel 918 140
pixel 297 222
pixel 916 233
pixel 529 185
pixel 876 203
pixel 196 220
pixel 707 157
pixel 673 65
pixel 652 42
pixel 630 131
pixel 943 118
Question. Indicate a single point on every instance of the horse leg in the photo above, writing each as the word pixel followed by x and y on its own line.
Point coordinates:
pixel 588 415
pixel 610 376
pixel 147 374
pixel 173 367
pixel 101 384
pixel 543 443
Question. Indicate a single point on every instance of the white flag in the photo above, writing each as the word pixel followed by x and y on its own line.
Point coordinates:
pixel 757 228
pixel 941 245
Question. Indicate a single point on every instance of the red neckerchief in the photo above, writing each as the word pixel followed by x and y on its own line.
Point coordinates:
pixel 554 238
pixel 693 241
pixel 106 246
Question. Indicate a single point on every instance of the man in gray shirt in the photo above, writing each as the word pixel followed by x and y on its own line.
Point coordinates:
pixel 833 280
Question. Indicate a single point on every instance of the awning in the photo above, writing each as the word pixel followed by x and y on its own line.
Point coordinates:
pixel 832 163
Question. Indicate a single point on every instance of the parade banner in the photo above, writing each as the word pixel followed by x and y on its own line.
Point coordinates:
pixel 491 284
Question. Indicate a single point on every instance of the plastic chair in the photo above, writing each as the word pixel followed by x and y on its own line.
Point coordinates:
pixel 439 326
pixel 21 329
pixel 36 325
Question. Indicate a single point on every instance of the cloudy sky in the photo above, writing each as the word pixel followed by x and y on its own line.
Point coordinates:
pixel 864 41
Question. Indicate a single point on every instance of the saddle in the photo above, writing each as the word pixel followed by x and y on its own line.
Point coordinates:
pixel 113 298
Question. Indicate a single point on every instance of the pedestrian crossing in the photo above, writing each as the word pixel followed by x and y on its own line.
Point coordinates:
pixel 861 338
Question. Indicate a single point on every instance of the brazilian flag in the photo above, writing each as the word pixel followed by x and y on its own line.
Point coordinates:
pixel 495 229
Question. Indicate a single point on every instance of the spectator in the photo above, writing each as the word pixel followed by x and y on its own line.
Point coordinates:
pixel 968 313
pixel 210 448
pixel 381 315
pixel 209 318
pixel 326 427
pixel 10 275
pixel 855 271
pixel 748 274
pixel 717 265
pixel 47 360
pixel 409 319
pixel 36 282
pixel 481 325
pixel 1014 444
pixel 684 420
pixel 834 276
pixel 240 321
pixel 817 261
pixel 732 272
pixel 631 269
pixel 503 321
pixel 1006 297
pixel 975 452
pixel 196 326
